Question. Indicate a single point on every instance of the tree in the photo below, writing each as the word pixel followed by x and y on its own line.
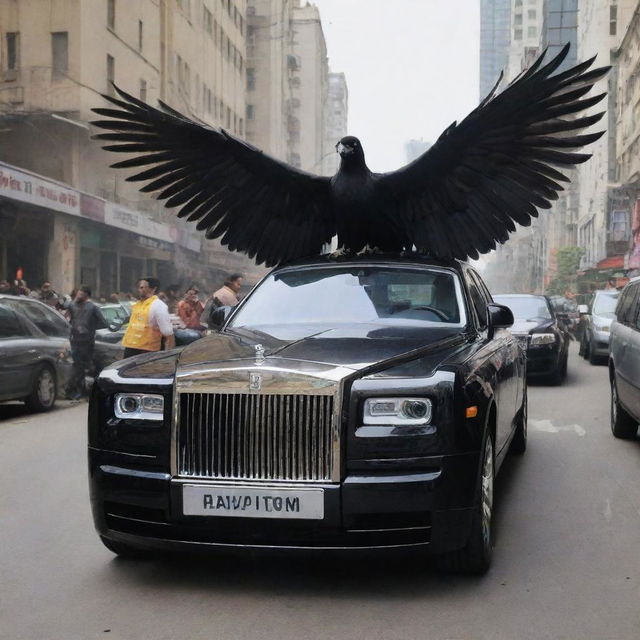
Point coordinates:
pixel 568 261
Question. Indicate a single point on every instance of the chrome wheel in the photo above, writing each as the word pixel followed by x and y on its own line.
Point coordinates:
pixel 46 388
pixel 487 491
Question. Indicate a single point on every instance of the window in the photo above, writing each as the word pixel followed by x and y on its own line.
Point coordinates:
pixel 10 326
pixel 517 34
pixel 143 90
pixel 60 52
pixel 532 14
pixel 241 127
pixel 49 322
pixel 111 74
pixel 228 124
pixel 13 50
pixel 250 112
pixel 613 19
pixel 517 19
pixel 111 14
pixel 140 30
pixel 207 19
pixel 477 299
pixel 251 79
pixel 531 32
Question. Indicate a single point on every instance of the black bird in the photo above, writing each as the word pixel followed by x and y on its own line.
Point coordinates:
pixel 458 199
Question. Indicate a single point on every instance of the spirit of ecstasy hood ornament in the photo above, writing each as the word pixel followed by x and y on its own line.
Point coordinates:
pixel 259 354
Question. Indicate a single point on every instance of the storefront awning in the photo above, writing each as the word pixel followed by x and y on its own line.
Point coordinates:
pixel 612 262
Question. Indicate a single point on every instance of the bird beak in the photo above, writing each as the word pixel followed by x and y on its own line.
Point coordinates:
pixel 343 150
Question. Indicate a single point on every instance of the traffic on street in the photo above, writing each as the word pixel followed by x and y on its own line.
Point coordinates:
pixel 567 518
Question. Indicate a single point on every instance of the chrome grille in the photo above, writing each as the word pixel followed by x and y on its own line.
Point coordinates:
pixel 255 436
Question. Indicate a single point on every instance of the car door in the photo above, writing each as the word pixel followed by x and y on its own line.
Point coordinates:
pixel 18 355
pixel 502 351
pixel 625 352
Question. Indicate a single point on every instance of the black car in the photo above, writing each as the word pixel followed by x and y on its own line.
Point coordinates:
pixel 364 402
pixel 545 335
pixel 53 329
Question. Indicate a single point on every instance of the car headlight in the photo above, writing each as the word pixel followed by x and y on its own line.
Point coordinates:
pixel 397 411
pixel 542 338
pixel 139 406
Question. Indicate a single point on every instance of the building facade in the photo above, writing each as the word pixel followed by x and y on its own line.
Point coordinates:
pixel 336 121
pixel 57 58
pixel 495 37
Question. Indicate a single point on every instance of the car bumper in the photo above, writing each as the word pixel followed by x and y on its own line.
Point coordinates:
pixel 599 343
pixel 430 509
pixel 543 360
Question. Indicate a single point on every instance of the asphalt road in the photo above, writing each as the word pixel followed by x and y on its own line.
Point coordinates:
pixel 566 563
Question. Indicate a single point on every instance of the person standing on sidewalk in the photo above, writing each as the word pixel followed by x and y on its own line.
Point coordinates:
pixel 85 318
pixel 149 322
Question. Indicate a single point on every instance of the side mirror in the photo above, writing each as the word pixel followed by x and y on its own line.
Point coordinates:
pixel 500 317
pixel 219 317
pixel 583 309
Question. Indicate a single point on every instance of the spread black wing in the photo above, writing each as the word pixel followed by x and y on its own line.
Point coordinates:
pixel 251 201
pixel 493 169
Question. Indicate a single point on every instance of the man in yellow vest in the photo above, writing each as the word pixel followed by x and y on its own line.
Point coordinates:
pixel 149 322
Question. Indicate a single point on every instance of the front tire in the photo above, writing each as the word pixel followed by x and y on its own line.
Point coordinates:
pixel 623 426
pixel 475 557
pixel 560 374
pixel 43 391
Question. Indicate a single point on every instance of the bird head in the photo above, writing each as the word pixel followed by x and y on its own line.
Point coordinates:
pixel 349 147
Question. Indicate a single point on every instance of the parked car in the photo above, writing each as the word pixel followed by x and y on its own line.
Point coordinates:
pixel 545 335
pixel 55 326
pixel 33 365
pixel 566 311
pixel 364 402
pixel 624 363
pixel 117 315
pixel 596 325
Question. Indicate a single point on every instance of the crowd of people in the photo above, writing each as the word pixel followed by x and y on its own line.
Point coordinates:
pixel 158 318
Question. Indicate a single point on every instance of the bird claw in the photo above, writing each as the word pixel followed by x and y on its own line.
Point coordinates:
pixel 338 253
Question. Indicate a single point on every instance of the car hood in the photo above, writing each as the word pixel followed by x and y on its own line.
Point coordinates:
pixel 354 347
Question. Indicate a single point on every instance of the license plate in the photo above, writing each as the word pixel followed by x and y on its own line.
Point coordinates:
pixel 247 502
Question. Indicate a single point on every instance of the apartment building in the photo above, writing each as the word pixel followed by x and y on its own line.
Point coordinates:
pixel 63 214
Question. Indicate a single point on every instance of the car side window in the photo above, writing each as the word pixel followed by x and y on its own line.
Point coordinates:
pixel 46 320
pixel 10 326
pixel 477 299
pixel 626 310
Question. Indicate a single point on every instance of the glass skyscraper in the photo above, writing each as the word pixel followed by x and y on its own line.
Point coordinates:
pixel 495 25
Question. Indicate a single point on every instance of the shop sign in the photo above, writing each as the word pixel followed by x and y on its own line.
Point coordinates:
pixel 152 243
pixel 26 187
pixel 92 207
pixel 123 218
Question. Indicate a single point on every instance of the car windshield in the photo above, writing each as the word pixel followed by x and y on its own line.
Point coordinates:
pixel 113 313
pixel 605 303
pixel 525 307
pixel 346 295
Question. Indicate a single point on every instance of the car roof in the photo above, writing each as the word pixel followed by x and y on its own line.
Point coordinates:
pixel 386 259
pixel 520 295
pixel 30 300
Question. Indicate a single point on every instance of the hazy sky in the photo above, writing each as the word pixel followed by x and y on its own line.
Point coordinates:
pixel 411 68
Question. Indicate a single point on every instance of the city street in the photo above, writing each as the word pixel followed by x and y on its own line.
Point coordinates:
pixel 566 561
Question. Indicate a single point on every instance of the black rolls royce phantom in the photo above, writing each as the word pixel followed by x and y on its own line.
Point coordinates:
pixel 346 403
